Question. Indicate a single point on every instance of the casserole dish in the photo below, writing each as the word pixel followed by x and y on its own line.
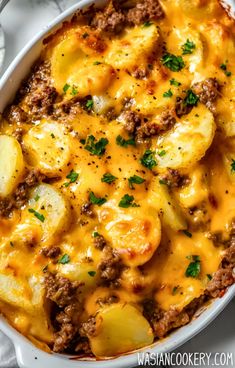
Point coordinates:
pixel 9 85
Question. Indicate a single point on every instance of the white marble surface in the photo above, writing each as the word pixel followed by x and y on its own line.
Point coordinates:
pixel 20 20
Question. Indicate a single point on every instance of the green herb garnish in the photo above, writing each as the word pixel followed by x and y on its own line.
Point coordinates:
pixel 72 176
pixel 224 68
pixel 161 153
pixel 37 197
pixel 108 178
pixel 148 159
pixel 74 91
pixel 135 180
pixel 168 93
pixel 64 259
pixel 175 290
pixel 127 201
pixel 191 99
pixel 95 234
pixel 188 47
pixel 174 63
pixel 96 148
pixel 147 24
pixel 97 63
pixel 38 215
pixel 91 273
pixel 173 82
pixel 52 135
pixel 194 268
pixel 66 87
pixel 209 276
pixel 124 142
pixel 163 182
pixel 96 200
pixel 89 104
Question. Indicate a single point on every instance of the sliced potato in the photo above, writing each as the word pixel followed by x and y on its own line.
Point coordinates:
pixel 121 328
pixel 178 37
pixel 48 147
pixel 195 9
pixel 161 199
pixel 49 208
pixel 70 66
pixel 188 141
pixel 196 191
pixel 84 272
pixel 11 164
pixel 135 235
pixel 132 47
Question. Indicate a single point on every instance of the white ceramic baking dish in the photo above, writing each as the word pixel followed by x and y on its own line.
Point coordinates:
pixel 28 356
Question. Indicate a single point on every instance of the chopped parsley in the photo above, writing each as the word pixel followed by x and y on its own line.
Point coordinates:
pixel 233 166
pixel 191 99
pixel 96 200
pixel 66 87
pixel 187 233
pixel 174 82
pixel 161 153
pixel 64 259
pixel 135 180
pixel 108 178
pixel 147 24
pixel 188 47
pixel 89 104
pixel 168 93
pixel 72 176
pixel 91 273
pixel 97 63
pixel 127 201
pixel 148 159
pixel 194 268
pixel 37 197
pixel 172 62
pixel 224 68
pixel 124 142
pixel 96 148
pixel 38 215
pixel 95 234
pixel 52 135
pixel 209 276
pixel 74 91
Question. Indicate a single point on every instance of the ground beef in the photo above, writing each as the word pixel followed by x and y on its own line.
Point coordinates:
pixel 100 242
pixel 230 253
pixel 87 209
pixel 64 337
pixel 52 252
pixel 16 115
pixel 89 327
pixel 6 207
pixel 174 179
pixel 131 120
pixel 208 91
pixel 20 196
pixel 151 311
pixel 144 11
pixel 110 267
pixel 111 19
pixel 170 320
pixel 181 108
pixel 62 291
pixel 223 278
pixel 151 128
pixel 107 300
pixel 18 134
pixel 41 101
pixel 140 73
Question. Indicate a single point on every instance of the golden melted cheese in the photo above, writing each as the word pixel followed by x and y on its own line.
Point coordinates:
pixel 152 233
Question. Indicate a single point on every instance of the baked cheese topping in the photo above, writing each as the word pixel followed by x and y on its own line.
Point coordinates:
pixel 117 170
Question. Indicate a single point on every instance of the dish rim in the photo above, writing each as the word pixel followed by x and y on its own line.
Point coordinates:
pixel 27 354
